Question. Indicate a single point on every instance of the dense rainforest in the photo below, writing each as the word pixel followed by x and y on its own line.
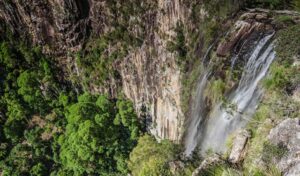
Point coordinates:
pixel 69 110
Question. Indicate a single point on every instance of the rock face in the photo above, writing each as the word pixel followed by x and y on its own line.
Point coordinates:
pixel 148 75
pixel 151 77
pixel 241 31
pixel 287 133
pixel 238 147
pixel 247 24
pixel 62 24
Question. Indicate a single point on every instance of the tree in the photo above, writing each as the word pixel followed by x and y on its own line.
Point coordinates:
pixel 28 88
pixel 16 121
pixel 38 170
pixel 93 142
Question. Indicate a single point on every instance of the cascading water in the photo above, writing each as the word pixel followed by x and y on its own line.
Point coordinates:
pixel 198 109
pixel 191 140
pixel 225 118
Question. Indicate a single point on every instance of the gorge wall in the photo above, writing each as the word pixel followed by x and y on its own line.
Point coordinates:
pixel 149 74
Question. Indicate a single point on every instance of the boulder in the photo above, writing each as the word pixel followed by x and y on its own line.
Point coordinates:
pixel 238 148
pixel 287 133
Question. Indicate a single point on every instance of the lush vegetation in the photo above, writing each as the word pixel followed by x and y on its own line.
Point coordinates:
pixel 275 4
pixel 178 45
pixel 276 105
pixel 283 75
pixel 152 159
pixel 46 128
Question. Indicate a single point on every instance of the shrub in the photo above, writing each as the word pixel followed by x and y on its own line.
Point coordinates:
pixel 178 45
pixel 288 43
pixel 284 19
pixel 279 77
pixel 219 170
pixel 272 4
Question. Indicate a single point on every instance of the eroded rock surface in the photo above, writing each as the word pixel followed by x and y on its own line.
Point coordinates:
pixel 287 133
pixel 247 24
pixel 151 77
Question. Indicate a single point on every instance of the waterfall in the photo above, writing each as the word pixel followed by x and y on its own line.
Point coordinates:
pixel 240 105
pixel 198 109
pixel 197 114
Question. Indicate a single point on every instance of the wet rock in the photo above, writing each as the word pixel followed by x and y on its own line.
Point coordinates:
pixel 287 133
pixel 205 164
pixel 249 23
pixel 241 30
pixel 238 148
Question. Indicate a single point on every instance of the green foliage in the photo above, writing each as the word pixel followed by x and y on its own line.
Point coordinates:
pixel 284 19
pixel 259 128
pixel 279 77
pixel 288 43
pixel 150 158
pixel 282 74
pixel 46 128
pixel 16 120
pixel 272 4
pixel 179 45
pixel 98 139
pixel 215 90
pixel 219 170
pixel 296 4
pixel 269 113
pixel 29 89
pixel 38 170
pixel 7 55
pixel 272 152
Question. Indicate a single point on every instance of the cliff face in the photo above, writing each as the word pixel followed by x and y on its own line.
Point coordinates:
pixel 61 24
pixel 151 77
pixel 149 74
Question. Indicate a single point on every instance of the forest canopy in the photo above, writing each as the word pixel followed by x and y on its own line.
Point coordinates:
pixel 46 127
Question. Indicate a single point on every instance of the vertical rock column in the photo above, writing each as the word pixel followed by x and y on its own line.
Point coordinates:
pixel 151 77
